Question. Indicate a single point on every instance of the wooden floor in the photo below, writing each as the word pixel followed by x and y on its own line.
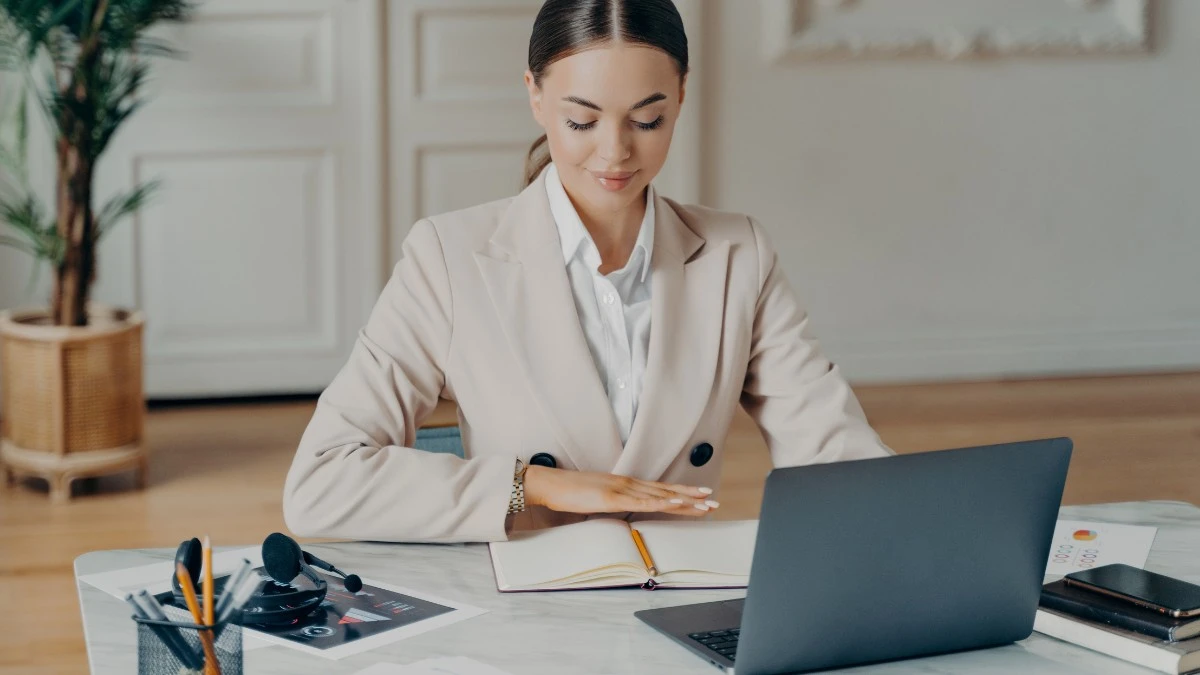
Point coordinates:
pixel 1136 437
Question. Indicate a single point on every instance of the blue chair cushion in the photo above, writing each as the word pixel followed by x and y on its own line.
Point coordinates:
pixel 440 439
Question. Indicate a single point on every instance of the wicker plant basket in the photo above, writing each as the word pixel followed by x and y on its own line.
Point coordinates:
pixel 72 397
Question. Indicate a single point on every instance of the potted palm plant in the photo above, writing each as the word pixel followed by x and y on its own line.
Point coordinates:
pixel 71 373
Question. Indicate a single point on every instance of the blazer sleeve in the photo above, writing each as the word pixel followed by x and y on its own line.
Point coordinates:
pixel 355 474
pixel 803 406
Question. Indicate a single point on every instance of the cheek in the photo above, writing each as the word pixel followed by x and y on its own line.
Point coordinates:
pixel 569 147
pixel 651 148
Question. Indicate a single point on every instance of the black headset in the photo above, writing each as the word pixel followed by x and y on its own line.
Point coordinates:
pixel 278 602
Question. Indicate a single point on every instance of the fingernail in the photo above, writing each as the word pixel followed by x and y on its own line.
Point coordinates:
pixel 676 501
pixel 702 507
pixel 712 502
pixel 705 491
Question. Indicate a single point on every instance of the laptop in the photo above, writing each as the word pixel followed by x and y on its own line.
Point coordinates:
pixel 873 560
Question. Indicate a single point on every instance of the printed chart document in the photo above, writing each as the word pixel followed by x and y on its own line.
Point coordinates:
pixel 604 553
pixel 1080 545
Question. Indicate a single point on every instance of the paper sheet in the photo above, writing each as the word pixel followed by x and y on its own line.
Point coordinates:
pixel 328 641
pixel 1080 545
pixel 455 665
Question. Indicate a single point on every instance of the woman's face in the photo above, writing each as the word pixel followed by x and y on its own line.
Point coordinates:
pixel 608 113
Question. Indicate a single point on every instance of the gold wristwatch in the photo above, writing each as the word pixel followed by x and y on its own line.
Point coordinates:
pixel 516 502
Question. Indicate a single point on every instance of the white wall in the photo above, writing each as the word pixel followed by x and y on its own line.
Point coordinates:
pixel 972 219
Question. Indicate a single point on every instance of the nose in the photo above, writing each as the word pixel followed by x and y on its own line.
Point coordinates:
pixel 615 146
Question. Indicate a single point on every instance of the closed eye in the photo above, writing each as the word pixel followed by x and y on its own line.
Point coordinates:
pixel 572 124
pixel 649 126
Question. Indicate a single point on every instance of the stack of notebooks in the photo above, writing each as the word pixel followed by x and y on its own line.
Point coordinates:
pixel 611 553
pixel 1119 629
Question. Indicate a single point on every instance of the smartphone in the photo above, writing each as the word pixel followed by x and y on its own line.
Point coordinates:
pixel 1167 595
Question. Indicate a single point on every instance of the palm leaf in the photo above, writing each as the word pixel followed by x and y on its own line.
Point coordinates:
pixel 45 25
pixel 123 205
pixel 27 218
pixel 126 21
pixel 13 242
pixel 155 47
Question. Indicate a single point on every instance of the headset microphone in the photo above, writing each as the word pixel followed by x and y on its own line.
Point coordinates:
pixel 352 582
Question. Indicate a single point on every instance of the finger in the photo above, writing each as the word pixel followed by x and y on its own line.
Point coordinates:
pixel 675 501
pixel 652 490
pixel 698 506
pixel 689 510
pixel 640 503
pixel 689 490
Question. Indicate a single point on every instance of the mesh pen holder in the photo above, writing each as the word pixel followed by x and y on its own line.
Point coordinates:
pixel 156 658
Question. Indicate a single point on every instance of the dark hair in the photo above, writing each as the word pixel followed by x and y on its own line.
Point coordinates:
pixel 565 27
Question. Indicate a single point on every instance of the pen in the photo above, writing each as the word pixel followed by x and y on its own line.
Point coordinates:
pixel 239 596
pixel 637 539
pixel 171 638
pixel 248 586
pixel 231 585
pixel 155 611
pixel 189 594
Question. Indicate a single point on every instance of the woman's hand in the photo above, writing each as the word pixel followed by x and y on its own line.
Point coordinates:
pixel 593 492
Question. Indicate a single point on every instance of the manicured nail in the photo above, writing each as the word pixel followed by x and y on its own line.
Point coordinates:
pixel 712 502
pixel 676 501
pixel 702 507
pixel 705 491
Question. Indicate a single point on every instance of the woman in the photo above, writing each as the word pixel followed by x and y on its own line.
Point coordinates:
pixel 596 335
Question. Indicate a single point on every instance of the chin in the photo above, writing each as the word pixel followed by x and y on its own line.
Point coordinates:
pixel 616 200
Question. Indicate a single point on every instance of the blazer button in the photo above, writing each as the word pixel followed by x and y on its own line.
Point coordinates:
pixel 701 454
pixel 544 459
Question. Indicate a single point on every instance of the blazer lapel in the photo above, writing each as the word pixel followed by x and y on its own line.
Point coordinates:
pixel 527 280
pixel 687 313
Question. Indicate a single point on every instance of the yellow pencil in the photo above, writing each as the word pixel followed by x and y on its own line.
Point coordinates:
pixel 206 641
pixel 637 539
pixel 208 582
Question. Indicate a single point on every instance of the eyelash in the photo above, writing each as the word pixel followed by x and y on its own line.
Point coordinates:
pixel 647 126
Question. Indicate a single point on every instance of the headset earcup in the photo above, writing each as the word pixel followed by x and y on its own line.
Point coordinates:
pixel 191 555
pixel 276 609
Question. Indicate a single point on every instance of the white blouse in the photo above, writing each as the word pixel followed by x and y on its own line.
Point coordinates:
pixel 614 309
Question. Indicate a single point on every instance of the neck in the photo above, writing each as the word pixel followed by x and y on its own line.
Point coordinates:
pixel 614 232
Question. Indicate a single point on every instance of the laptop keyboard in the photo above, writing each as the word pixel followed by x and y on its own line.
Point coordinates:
pixel 723 642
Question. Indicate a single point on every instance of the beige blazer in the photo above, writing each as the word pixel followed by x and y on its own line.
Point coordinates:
pixel 479 311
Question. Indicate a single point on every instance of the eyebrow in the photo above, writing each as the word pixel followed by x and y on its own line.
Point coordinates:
pixel 653 98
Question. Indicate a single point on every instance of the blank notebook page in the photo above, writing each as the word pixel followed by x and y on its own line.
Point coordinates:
pixel 535 557
pixel 720 546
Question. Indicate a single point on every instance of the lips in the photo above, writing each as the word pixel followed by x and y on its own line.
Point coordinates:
pixel 613 181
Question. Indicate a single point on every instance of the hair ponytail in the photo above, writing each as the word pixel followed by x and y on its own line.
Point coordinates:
pixel 564 27
pixel 536 161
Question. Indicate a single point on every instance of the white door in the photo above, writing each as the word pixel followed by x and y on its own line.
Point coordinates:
pixel 262 255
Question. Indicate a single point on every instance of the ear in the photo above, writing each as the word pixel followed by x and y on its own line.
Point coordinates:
pixel 682 89
pixel 535 98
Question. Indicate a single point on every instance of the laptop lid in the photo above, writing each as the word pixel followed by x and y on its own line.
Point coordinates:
pixel 879 559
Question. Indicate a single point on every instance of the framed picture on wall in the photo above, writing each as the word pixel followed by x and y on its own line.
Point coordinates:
pixel 800 30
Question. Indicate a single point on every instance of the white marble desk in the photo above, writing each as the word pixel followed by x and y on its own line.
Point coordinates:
pixel 594 632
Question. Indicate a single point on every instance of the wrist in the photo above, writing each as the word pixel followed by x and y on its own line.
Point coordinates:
pixel 535 482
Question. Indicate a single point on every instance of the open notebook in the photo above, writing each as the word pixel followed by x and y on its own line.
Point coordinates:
pixel 603 553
